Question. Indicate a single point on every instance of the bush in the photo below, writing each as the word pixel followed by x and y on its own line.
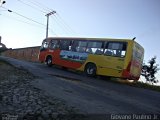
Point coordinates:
pixel 149 71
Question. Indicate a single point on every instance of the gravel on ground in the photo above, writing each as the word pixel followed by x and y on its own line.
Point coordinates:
pixel 19 99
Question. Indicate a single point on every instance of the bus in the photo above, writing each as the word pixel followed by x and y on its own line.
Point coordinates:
pixel 120 58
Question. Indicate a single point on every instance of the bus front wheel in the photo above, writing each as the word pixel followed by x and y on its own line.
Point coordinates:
pixel 90 70
pixel 49 61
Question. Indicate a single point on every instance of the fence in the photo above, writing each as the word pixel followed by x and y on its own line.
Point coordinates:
pixel 28 53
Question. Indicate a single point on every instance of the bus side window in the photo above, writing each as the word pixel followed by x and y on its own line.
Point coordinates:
pixel 74 46
pixel 95 47
pixel 54 44
pixel 79 46
pixel 108 52
pixel 82 46
pixel 117 49
pixel 65 45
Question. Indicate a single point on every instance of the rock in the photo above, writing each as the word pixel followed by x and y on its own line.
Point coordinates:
pixel 16 91
pixel 40 118
pixel 10 108
pixel 39 102
pixel 1 98
pixel 54 115
pixel 5 98
pixel 16 99
pixel 38 111
pixel 48 111
pixel 22 98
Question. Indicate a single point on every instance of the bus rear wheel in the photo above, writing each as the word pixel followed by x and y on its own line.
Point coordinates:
pixel 90 70
pixel 49 61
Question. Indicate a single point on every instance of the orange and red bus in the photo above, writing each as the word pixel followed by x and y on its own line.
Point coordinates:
pixel 121 58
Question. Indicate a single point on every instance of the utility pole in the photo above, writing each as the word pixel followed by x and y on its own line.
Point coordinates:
pixel 48 21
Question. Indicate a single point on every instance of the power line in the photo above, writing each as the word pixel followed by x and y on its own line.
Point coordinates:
pixel 40 5
pixel 59 24
pixel 65 24
pixel 23 16
pixel 27 18
pixel 35 4
pixel 9 17
pixel 53 32
pixel 47 14
pixel 62 25
pixel 31 6
pixel 58 17
pixel 35 25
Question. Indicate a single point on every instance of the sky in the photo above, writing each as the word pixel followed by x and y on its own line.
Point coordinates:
pixel 25 26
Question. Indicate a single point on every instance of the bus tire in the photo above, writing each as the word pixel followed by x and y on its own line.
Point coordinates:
pixel 49 61
pixel 90 69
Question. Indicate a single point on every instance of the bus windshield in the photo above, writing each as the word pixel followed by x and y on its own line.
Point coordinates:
pixel 44 45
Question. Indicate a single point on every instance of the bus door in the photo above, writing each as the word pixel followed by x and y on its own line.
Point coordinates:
pixel 115 57
pixel 54 51
pixel 43 50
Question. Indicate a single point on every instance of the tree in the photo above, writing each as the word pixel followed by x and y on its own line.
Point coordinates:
pixel 149 71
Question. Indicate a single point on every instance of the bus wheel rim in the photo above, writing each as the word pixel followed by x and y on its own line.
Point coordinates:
pixel 90 71
pixel 49 61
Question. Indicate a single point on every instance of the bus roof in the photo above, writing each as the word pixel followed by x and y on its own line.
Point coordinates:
pixel 82 38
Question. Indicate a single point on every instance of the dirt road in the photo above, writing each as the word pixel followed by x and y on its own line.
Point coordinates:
pixel 91 95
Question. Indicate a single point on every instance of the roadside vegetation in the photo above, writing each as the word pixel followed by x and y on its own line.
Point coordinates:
pixel 149 70
pixel 137 84
pixel 140 85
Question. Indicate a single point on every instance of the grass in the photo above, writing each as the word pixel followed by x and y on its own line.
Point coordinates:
pixel 145 86
pixel 136 84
